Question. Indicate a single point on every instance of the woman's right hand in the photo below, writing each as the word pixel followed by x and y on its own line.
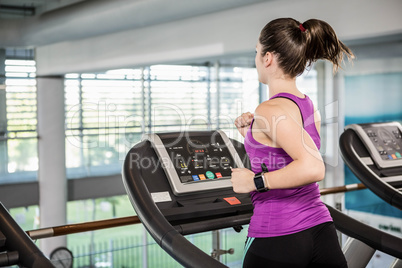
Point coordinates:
pixel 243 122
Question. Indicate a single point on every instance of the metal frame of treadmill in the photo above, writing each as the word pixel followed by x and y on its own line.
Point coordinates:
pixel 171 238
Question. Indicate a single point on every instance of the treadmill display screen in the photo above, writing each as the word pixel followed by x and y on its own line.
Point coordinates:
pixel 200 158
pixel 387 140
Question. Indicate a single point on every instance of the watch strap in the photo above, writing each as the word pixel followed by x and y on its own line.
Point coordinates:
pixel 259 182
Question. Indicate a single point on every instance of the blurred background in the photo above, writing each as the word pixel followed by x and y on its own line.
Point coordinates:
pixel 82 80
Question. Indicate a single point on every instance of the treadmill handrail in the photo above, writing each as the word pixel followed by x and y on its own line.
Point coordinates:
pixel 17 240
pixel 365 174
pixel 160 229
pixel 214 224
pixel 371 236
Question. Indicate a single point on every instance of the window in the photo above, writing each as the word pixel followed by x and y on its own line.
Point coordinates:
pixel 179 98
pixel 104 112
pixel 108 113
pixel 18 120
pixel 238 92
pixel 308 84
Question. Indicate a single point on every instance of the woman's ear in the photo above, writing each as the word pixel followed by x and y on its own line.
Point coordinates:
pixel 268 58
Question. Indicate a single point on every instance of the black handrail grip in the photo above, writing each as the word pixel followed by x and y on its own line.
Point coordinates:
pixel 215 224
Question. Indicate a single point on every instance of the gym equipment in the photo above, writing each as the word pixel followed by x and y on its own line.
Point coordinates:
pixel 172 203
pixel 201 161
pixel 16 246
pixel 81 227
pixel 123 221
pixel 373 153
pixel 166 179
pixel 342 189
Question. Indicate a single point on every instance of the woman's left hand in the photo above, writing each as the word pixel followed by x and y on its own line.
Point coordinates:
pixel 242 180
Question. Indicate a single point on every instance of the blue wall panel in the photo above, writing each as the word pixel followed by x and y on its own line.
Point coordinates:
pixel 371 98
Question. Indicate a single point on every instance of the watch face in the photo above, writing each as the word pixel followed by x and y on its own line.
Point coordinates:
pixel 62 257
pixel 259 182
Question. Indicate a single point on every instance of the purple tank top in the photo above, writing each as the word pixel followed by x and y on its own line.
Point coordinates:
pixel 284 211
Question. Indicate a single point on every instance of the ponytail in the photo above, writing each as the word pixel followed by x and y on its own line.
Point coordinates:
pixel 322 43
pixel 297 45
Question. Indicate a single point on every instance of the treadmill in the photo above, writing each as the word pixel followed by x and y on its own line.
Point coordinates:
pixel 16 247
pixel 373 152
pixel 179 184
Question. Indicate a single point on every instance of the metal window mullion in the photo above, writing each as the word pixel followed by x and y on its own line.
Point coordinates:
pixel 143 111
pixel 209 96
pixel 80 121
pixel 3 114
pixel 262 93
pixel 149 124
pixel 218 108
pixel 321 97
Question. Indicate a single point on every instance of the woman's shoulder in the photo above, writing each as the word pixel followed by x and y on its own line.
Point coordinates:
pixel 271 107
pixel 268 113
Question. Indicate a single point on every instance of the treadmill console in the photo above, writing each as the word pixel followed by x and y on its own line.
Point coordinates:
pixel 383 141
pixel 196 161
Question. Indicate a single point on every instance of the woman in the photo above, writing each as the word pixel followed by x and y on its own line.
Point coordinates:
pixel 290 226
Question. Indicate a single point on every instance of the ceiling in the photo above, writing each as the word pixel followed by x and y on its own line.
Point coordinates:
pixel 37 16
pixel 27 8
pixel 40 22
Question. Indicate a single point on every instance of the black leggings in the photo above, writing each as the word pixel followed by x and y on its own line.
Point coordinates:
pixel 314 247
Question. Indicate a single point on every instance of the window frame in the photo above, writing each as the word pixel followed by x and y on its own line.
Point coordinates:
pixel 18 91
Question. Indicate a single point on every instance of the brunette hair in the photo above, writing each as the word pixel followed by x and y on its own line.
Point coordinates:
pixel 297 45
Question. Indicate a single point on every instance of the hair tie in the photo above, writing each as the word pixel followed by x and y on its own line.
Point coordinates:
pixel 302 28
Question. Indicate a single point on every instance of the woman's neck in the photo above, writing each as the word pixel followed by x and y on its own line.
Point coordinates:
pixel 283 85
